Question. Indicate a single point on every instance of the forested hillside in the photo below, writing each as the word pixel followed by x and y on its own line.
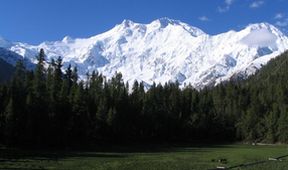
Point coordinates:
pixel 50 107
pixel 266 115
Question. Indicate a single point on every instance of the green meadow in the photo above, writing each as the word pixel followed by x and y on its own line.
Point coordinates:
pixel 148 158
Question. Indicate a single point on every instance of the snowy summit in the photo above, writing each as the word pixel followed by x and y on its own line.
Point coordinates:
pixel 165 50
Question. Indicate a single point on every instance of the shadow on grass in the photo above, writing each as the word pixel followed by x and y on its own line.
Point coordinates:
pixel 7 168
pixel 106 151
pixel 26 156
pixel 38 155
pixel 20 159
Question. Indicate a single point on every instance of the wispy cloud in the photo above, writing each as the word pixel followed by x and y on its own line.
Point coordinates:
pixel 281 20
pixel 226 7
pixel 279 16
pixel 282 23
pixel 229 2
pixel 203 18
pixel 256 4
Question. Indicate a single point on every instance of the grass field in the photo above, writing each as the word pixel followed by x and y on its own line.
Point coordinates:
pixel 148 158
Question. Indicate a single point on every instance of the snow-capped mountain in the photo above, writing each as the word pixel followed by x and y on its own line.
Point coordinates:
pixel 165 50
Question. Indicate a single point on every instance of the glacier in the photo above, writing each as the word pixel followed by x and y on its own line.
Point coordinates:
pixel 164 50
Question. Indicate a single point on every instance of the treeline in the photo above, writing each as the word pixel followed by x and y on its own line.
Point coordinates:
pixel 48 107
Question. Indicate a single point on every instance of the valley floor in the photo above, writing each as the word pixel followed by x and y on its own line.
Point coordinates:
pixel 152 158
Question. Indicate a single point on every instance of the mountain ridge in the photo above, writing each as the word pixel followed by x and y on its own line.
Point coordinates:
pixel 166 50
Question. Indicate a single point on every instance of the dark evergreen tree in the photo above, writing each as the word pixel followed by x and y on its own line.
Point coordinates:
pixel 38 102
pixel 15 116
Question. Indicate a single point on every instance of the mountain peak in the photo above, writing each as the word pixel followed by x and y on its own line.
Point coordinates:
pixel 127 23
pixel 262 25
pixel 162 22
pixel 67 39
pixel 165 21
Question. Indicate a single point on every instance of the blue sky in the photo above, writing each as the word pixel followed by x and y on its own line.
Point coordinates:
pixel 34 21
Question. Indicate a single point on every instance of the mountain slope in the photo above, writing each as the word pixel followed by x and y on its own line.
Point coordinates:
pixel 166 50
pixel 11 57
pixel 274 73
pixel 6 71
